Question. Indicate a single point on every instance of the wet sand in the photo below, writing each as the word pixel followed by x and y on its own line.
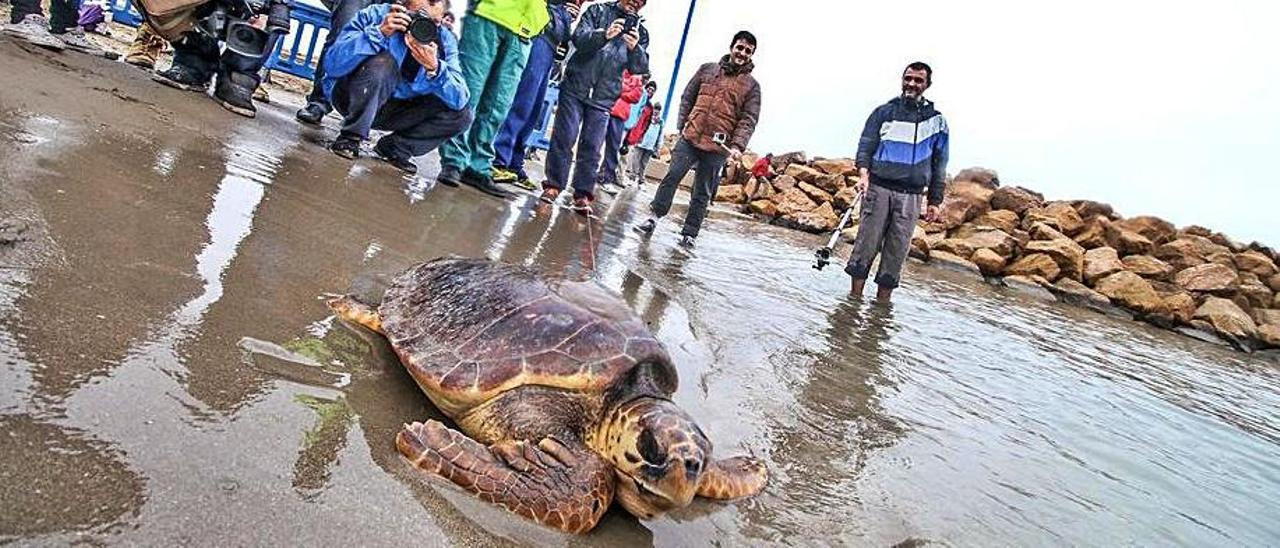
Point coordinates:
pixel 170 377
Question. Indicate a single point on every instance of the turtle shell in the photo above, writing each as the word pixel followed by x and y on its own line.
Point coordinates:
pixel 470 329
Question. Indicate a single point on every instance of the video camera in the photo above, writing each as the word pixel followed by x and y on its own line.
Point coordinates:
pixel 226 20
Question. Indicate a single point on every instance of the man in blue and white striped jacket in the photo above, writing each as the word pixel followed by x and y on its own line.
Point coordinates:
pixel 902 157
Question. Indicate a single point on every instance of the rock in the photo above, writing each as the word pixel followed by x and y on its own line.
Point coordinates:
pixel 988 261
pixel 1179 308
pixel 1016 199
pixel 1059 215
pixel 1131 291
pixel 1101 262
pixel 849 234
pixel 835 166
pixel 752 188
pixel 1226 241
pixel 1127 242
pixel 1266 316
pixel 802 172
pixel 951 262
pixel 1275 301
pixel 1089 209
pixel 1002 244
pixel 764 207
pixel 784 182
pixel 816 194
pixel 734 194
pixel 1094 233
pixel 1021 236
pixel 934 238
pixel 958 210
pixel 820 219
pixel 1155 229
pixel 1257 295
pixel 1068 254
pixel 1148 267
pixel 1269 336
pixel 793 201
pixel 1042 231
pixel 12 231
pixel 1274 283
pixel 1255 262
pixel 1002 219
pixel 981 175
pixel 781 161
pixel 1035 264
pixel 1208 278
pixel 920 247
pixel 844 199
pixel 1030 286
pixel 830 183
pixel 1197 230
pixel 975 192
pixel 1227 319
pixel 1073 292
pixel 955 246
pixel 1190 250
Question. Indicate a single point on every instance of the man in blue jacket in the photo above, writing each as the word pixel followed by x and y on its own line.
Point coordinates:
pixel 379 77
pixel 902 155
pixel 609 39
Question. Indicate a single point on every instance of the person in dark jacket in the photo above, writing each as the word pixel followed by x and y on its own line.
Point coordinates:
pixel 718 113
pixel 609 38
pixel 526 110
pixel 379 77
pixel 902 155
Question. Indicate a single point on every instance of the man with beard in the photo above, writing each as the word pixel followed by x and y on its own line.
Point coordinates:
pixel 902 155
pixel 718 113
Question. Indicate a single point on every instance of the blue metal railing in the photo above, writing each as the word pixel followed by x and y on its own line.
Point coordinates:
pixel 299 51
pixel 123 12
pixel 541 137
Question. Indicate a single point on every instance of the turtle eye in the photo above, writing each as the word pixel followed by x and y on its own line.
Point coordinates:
pixel 649 448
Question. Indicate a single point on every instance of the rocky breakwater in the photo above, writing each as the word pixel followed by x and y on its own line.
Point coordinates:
pixel 1082 252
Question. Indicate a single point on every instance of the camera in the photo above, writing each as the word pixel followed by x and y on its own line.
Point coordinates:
pixel 719 138
pixel 630 21
pixel 423 28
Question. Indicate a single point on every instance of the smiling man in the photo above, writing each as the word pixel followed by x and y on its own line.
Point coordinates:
pixel 902 155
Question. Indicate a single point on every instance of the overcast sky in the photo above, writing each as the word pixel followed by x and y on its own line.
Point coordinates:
pixel 1157 107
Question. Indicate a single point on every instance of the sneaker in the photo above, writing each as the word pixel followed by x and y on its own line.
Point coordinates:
pixel 35 30
pixel 523 181
pixel 181 77
pixel 311 114
pixel 346 146
pixel 449 176
pixel 610 188
pixel 484 183
pixel 583 203
pixel 397 161
pixel 234 91
pixel 647 227
pixel 686 242
pixel 76 40
pixel 145 49
pixel 550 195
pixel 503 175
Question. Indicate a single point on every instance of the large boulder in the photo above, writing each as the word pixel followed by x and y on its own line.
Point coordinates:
pixel 1179 308
pixel 1016 199
pixel 988 261
pixel 1089 209
pixel 1073 292
pixel 1197 230
pixel 1125 241
pixel 1093 233
pixel 835 166
pixel 1042 231
pixel 996 240
pixel 951 262
pixel 920 247
pixel 981 175
pixel 1152 228
pixel 1191 250
pixel 1274 283
pixel 1269 336
pixel 955 246
pixel 816 194
pixel 830 183
pixel 1101 262
pixel 1208 278
pixel 1068 254
pixel 781 161
pixel 844 199
pixel 1131 291
pixel 1030 286
pixel 1035 264
pixel 1255 262
pixel 820 219
pixel 1257 294
pixel 1266 316
pixel 1226 241
pixel 784 182
pixel 1227 318
pixel 975 192
pixel 1059 215
pixel 764 207
pixel 1148 267
pixel 802 172
pixel 958 210
pixel 733 194
pixel 794 201
pixel 1002 219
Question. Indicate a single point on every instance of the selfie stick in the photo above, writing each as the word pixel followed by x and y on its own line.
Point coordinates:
pixel 824 254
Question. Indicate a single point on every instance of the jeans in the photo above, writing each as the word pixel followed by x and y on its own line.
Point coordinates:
pixel 341 13
pixel 577 121
pixel 63 14
pixel 493 59
pixel 526 110
pixel 705 182
pixel 199 53
pixel 638 162
pixel 887 221
pixel 612 142
pixel 417 125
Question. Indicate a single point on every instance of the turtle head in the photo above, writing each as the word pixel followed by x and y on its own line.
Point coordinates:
pixel 658 452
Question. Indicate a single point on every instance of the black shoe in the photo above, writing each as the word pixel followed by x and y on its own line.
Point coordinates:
pixel 234 91
pixel 646 227
pixel 686 242
pixel 449 176
pixel 346 146
pixel 484 183
pixel 181 77
pixel 311 114
pixel 401 163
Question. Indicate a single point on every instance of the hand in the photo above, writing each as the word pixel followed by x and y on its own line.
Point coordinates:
pixel 631 39
pixel 427 54
pixel 574 9
pixel 863 184
pixel 615 28
pixel 735 153
pixel 397 20
pixel 933 214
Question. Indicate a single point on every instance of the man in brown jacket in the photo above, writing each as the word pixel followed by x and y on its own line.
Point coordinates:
pixel 718 114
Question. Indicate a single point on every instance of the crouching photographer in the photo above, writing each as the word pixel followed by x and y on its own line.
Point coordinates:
pixel 395 68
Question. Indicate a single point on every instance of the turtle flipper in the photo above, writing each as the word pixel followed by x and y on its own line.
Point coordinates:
pixel 349 309
pixel 733 478
pixel 549 483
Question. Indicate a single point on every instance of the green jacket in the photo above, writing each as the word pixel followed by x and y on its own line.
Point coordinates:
pixel 525 18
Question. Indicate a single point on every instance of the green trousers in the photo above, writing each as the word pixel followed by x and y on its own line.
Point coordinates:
pixel 493 60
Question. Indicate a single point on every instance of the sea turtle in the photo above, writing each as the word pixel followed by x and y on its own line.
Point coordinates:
pixel 563 394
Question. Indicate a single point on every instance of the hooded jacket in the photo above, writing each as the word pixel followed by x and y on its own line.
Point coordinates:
pixel 905 146
pixel 525 18
pixel 594 72
pixel 632 93
pixel 721 98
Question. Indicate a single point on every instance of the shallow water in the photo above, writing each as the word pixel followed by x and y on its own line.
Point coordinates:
pixel 168 375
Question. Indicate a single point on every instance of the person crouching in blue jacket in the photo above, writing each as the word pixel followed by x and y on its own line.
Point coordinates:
pixel 377 76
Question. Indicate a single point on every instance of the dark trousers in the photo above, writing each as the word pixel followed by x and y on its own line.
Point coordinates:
pixel 200 53
pixel 341 12
pixel 526 110
pixel 417 125
pixel 612 143
pixel 580 123
pixel 63 14
pixel 705 182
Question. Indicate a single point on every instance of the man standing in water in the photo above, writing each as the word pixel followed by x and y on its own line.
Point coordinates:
pixel 902 155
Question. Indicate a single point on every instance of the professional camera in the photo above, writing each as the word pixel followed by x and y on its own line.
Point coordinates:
pixel 630 21
pixel 423 28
